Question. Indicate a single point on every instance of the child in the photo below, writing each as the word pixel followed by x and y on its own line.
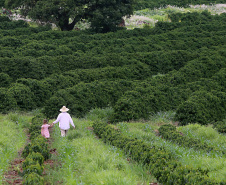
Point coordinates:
pixel 45 129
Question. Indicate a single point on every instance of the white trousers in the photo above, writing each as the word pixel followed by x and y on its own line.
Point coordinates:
pixel 63 132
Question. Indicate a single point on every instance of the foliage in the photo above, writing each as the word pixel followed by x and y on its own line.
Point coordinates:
pixel 162 164
pixel 23 96
pixel 37 146
pixel 35 153
pixel 97 162
pixel 104 15
pixel 12 139
pixel 33 158
pixel 220 126
pixel 176 66
pixel 202 107
pixel 169 132
pixel 5 80
pixel 33 179
pixel 100 114
pixel 36 123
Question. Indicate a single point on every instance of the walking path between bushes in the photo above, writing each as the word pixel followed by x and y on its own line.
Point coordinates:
pixel 14 173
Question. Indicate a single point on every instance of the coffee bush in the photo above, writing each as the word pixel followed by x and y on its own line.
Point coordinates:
pixel 33 179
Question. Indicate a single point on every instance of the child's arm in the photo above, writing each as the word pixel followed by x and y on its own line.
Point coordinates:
pixel 42 130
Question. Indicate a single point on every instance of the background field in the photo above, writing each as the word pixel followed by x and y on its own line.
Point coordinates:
pixel 148 101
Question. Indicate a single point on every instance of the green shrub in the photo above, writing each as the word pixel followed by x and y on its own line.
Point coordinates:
pixel 162 164
pixel 201 107
pixel 36 157
pixel 169 132
pixel 38 119
pixel 37 146
pixel 220 126
pixel 36 123
pixel 190 112
pixel 33 179
pixel 35 134
pixel 103 114
pixel 40 89
pixel 33 168
pixel 10 42
pixel 23 96
pixel 28 162
pixel 5 80
pixel 4 19
pixel 132 106
pixel 53 105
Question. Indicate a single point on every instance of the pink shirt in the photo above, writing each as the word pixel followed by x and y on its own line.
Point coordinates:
pixel 45 130
pixel 64 120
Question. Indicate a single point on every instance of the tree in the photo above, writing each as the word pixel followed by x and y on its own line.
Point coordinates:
pixel 104 15
pixel 51 11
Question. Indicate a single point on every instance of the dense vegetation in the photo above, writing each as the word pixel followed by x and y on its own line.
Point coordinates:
pixel 12 133
pixel 178 65
pixel 84 158
pixel 104 16
pixel 142 4
pixel 163 164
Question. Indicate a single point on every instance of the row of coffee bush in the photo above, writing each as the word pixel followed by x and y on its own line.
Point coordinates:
pixel 43 66
pixel 38 92
pixel 169 132
pixel 35 153
pixel 161 163
pixel 175 66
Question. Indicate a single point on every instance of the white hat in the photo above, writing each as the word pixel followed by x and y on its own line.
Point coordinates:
pixel 64 109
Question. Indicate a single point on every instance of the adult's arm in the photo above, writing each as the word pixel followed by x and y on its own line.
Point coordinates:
pixel 58 119
pixel 71 121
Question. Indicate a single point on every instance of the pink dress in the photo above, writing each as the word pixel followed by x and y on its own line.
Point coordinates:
pixel 45 130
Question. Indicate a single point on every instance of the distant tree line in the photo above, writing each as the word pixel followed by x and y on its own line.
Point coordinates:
pixel 104 15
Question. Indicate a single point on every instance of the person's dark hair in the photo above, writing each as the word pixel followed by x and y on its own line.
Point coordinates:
pixel 45 121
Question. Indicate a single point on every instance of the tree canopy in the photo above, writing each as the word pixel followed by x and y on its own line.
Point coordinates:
pixel 104 15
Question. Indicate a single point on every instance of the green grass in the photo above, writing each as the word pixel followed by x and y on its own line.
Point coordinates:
pixel 12 138
pixel 213 161
pixel 99 114
pixel 84 159
pixel 205 134
pixel 87 160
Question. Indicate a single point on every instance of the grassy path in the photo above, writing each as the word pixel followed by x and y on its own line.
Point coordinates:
pixel 12 139
pixel 84 159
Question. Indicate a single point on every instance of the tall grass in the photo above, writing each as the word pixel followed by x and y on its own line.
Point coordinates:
pixel 205 134
pixel 213 161
pixel 12 139
pixel 87 160
pixel 162 117
pixel 100 114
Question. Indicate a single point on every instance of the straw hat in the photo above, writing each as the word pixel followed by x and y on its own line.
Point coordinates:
pixel 64 109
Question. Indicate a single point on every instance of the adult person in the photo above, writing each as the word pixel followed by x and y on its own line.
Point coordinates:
pixel 64 120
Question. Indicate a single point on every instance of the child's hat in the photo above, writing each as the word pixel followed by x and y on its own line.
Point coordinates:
pixel 64 109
